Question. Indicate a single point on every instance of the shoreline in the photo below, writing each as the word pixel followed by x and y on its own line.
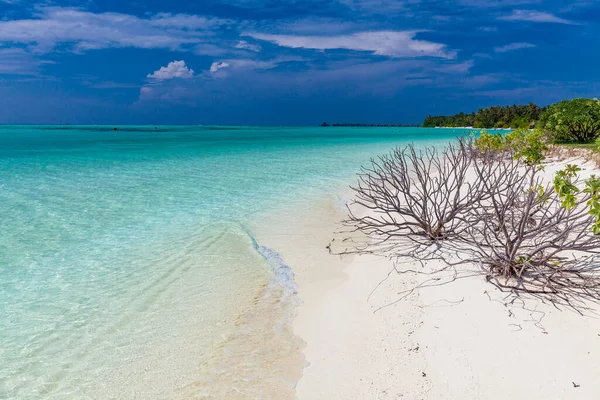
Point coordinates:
pixel 459 340
pixel 172 259
pixel 261 357
pixel 352 336
pixel 350 351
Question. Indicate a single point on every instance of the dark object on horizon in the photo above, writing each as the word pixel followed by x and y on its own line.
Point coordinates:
pixel 515 116
pixel 374 125
pixel 114 129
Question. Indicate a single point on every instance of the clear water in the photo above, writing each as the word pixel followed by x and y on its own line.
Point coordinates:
pixel 125 257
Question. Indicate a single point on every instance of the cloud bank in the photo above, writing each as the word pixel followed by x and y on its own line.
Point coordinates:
pixel 396 44
pixel 535 16
pixel 513 46
pixel 82 30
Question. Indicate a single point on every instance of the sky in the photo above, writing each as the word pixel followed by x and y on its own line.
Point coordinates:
pixel 293 62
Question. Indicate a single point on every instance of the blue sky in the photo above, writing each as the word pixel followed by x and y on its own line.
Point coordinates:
pixel 296 62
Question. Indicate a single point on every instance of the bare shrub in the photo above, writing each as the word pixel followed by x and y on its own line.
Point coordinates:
pixel 528 239
pixel 424 196
pixel 490 209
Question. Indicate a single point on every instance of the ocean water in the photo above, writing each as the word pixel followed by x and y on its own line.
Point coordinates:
pixel 127 266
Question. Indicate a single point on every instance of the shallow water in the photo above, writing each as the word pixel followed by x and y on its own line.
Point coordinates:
pixel 127 269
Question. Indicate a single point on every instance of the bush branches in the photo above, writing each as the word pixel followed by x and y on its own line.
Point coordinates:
pixel 493 206
pixel 419 195
pixel 531 238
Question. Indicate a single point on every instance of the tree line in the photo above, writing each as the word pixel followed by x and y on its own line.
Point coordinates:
pixel 325 124
pixel 515 116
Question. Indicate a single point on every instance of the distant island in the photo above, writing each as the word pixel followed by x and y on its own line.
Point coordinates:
pixel 375 125
pixel 515 116
pixel 499 117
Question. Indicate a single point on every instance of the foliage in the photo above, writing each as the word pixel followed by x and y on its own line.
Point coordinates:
pixel 526 145
pixel 592 189
pixel 521 143
pixel 564 186
pixel 490 142
pixel 568 121
pixel 458 120
pixel 515 116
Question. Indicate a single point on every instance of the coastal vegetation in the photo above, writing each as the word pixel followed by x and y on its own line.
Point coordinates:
pixel 568 122
pixel 523 144
pixel 485 201
pixel 354 125
pixel 572 121
pixel 515 116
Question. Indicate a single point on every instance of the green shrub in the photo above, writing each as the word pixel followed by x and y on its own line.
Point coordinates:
pixel 527 145
pixel 490 142
pixel 564 185
pixel 521 143
pixel 569 121
pixel 520 122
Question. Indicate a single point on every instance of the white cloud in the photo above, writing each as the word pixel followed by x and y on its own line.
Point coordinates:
pixel 187 21
pixel 175 69
pixel 217 65
pixel 243 72
pixel 384 43
pixel 242 44
pixel 83 30
pixel 461 68
pixel 347 77
pixel 513 46
pixel 535 16
pixel 248 65
pixel 18 62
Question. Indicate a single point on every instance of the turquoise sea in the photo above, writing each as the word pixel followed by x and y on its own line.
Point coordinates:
pixel 126 255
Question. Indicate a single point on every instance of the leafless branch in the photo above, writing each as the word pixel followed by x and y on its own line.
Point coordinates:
pixel 464 206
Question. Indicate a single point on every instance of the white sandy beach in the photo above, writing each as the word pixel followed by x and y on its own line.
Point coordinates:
pixel 455 341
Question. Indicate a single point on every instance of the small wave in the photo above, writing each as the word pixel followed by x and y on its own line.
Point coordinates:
pixel 262 357
pixel 283 275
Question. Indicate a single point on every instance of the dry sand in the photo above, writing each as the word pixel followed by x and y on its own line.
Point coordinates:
pixel 454 341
